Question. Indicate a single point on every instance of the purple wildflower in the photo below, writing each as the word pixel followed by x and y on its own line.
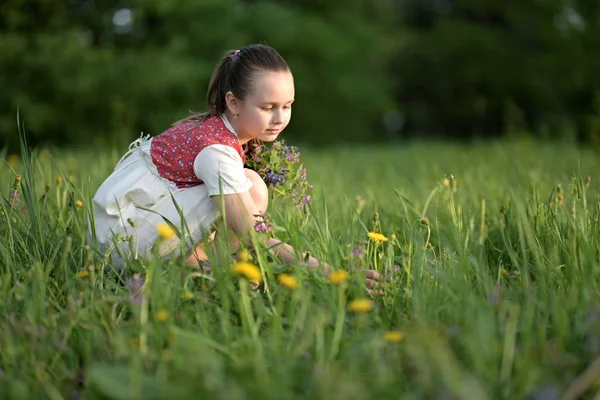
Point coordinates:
pixel 357 252
pixel 13 197
pixel 257 158
pixel 551 392
pixel 303 175
pixel 305 199
pixel 274 178
pixel 396 267
pixel 135 284
pixel 262 225
pixel 494 297
pixel 292 155
pixel 206 267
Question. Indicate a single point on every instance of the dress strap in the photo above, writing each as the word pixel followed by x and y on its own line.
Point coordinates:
pixel 132 147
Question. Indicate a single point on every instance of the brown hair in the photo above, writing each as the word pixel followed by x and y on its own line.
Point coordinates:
pixel 234 73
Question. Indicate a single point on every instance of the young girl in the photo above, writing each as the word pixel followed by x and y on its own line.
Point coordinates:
pixel 198 165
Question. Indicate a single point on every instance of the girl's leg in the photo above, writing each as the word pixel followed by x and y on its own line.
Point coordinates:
pixel 260 195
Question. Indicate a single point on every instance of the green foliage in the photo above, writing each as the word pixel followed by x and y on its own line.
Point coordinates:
pixel 449 67
pixel 75 79
pixel 473 66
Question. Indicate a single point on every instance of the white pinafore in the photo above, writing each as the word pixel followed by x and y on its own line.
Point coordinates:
pixel 136 192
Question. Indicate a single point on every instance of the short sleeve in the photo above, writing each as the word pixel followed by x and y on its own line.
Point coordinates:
pixel 221 169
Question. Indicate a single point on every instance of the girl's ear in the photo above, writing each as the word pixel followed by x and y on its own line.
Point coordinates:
pixel 233 103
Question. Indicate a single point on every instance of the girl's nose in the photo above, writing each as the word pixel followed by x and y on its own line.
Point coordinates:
pixel 277 117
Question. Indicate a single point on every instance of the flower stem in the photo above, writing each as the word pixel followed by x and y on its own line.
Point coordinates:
pixel 339 323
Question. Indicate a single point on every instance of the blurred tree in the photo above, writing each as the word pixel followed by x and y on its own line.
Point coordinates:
pixel 87 72
pixel 482 67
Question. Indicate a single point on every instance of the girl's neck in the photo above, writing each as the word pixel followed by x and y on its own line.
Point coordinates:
pixel 234 124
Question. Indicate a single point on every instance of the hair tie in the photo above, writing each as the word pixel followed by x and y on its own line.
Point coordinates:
pixel 235 53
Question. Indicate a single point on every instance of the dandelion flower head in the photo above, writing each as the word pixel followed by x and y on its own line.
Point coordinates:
pixel 377 237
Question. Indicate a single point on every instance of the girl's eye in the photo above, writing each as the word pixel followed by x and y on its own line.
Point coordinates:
pixel 272 108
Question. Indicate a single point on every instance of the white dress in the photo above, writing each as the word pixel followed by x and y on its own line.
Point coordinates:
pixel 135 192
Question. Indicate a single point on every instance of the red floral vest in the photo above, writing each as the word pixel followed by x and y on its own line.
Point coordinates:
pixel 174 151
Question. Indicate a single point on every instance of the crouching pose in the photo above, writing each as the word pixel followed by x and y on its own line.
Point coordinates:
pixel 194 171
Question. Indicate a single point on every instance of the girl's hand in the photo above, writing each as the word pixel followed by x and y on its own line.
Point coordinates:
pixel 374 278
pixel 373 282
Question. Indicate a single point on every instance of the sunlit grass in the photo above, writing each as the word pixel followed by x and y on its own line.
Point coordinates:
pixel 491 253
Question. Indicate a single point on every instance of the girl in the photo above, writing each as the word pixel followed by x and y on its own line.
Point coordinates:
pixel 198 165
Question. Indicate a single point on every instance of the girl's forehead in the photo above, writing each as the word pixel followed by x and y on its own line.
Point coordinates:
pixel 276 87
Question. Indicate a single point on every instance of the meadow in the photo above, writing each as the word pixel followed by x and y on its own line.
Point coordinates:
pixel 491 252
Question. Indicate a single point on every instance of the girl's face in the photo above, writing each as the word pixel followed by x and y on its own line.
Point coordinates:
pixel 267 109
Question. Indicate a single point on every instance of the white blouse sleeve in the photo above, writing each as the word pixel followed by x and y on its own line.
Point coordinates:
pixel 221 167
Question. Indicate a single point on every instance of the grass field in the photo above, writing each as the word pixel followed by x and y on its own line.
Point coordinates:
pixel 492 288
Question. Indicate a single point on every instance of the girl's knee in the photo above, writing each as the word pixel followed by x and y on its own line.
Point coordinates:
pixel 258 191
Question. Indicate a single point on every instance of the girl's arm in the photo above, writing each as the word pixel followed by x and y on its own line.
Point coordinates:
pixel 242 214
pixel 286 252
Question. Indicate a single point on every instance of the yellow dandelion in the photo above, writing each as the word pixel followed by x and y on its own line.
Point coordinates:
pixel 503 271
pixel 288 281
pixel 83 274
pixel 248 270
pixel 339 276
pixel 79 203
pixel 187 295
pixel 162 316
pixel 393 336
pixel 165 231
pixel 377 237
pixel 360 305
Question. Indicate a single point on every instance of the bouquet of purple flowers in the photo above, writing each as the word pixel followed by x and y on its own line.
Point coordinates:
pixel 280 167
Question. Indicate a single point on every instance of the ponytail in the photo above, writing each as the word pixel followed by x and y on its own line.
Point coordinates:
pixel 215 96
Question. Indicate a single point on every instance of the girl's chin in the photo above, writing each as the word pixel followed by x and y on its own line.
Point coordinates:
pixel 269 137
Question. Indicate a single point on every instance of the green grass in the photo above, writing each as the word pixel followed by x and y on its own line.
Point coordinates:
pixel 495 293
